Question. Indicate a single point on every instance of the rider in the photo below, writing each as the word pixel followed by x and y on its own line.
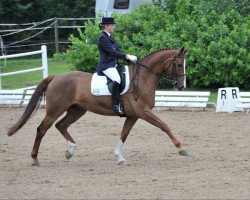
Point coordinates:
pixel 109 53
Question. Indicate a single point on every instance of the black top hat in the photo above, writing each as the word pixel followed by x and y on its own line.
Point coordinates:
pixel 108 20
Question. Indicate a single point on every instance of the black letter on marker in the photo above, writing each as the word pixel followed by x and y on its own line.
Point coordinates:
pixel 234 93
pixel 223 93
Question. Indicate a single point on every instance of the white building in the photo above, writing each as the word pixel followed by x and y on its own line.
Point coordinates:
pixel 107 7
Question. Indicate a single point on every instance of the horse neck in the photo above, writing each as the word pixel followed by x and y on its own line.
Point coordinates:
pixel 156 62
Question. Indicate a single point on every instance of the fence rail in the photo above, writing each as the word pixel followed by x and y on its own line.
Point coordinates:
pixel 44 27
pixel 44 67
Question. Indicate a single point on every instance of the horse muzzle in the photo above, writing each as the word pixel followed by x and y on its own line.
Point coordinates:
pixel 180 88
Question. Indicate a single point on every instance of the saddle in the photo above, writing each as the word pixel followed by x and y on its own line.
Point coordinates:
pixel 101 85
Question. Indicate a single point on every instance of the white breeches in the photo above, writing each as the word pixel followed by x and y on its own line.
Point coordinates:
pixel 113 74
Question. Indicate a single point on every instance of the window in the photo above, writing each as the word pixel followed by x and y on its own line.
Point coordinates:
pixel 121 4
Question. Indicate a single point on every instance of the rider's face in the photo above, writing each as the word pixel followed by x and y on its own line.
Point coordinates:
pixel 110 28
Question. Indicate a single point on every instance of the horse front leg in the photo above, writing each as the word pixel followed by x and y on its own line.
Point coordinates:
pixel 129 123
pixel 150 117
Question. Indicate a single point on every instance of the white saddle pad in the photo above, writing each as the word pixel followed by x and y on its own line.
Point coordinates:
pixel 99 85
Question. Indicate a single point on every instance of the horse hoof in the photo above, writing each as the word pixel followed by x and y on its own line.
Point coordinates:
pixel 120 162
pixel 35 164
pixel 68 155
pixel 183 153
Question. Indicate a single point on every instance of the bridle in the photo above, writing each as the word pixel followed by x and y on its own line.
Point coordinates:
pixel 172 78
pixel 174 74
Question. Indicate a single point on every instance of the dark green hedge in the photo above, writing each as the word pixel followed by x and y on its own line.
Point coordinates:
pixel 216 34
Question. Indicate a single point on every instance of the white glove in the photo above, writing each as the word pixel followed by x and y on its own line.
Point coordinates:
pixel 131 58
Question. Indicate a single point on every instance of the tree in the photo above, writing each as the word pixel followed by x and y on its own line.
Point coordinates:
pixel 1 7
pixel 216 34
pixel 13 11
pixel 24 11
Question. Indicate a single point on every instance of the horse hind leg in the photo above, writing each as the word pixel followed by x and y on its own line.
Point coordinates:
pixel 73 114
pixel 41 131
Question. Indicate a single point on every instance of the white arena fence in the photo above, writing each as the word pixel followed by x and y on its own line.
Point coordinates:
pixel 20 96
pixel 191 99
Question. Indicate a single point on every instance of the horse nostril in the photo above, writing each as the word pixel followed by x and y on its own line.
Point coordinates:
pixel 180 88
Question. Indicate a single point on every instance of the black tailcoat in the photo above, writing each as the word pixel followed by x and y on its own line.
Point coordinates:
pixel 109 52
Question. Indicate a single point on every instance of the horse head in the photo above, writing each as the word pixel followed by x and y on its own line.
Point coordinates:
pixel 174 67
pixel 179 65
pixel 170 62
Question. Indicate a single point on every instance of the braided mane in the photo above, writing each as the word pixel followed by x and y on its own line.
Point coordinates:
pixel 158 50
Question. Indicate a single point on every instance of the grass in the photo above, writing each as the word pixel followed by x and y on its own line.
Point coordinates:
pixel 32 78
pixel 213 93
pixel 213 97
pixel 55 67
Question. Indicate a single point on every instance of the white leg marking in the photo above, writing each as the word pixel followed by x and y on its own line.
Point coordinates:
pixel 71 148
pixel 118 153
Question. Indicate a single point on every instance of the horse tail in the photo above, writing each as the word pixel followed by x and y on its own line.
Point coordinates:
pixel 35 99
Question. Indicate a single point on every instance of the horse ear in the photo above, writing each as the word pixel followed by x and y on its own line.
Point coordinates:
pixel 183 51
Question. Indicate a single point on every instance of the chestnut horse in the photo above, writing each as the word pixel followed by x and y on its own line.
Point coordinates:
pixel 70 92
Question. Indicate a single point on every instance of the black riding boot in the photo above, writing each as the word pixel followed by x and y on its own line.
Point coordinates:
pixel 116 98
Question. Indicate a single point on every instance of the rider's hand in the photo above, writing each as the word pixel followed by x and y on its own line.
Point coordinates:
pixel 131 58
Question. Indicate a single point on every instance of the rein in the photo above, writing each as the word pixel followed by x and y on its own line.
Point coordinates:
pixel 173 75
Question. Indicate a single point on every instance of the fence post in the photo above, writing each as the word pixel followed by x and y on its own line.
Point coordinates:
pixel 44 61
pixel 56 34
